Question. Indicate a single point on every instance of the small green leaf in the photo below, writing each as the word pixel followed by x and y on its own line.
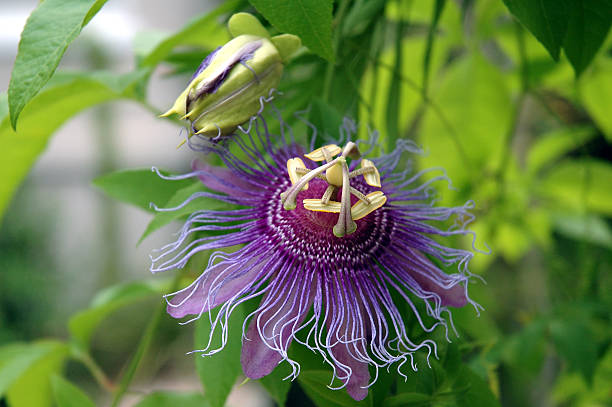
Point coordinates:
pixel 83 323
pixel 219 372
pixel 67 394
pixel 579 185
pixel 473 391
pixel 315 382
pixel 546 19
pixel 37 376
pixel 162 218
pixel 45 113
pixel 588 26
pixel 51 27
pixel 311 20
pixel 172 399
pixel 202 31
pixel 140 187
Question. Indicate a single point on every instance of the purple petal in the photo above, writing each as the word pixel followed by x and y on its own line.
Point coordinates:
pixel 222 179
pixel 205 63
pixel 216 285
pixel 359 374
pixel 280 316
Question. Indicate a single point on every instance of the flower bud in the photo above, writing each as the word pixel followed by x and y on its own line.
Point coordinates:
pixel 227 88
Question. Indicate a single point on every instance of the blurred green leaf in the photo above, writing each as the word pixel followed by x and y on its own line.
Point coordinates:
pixel 408 400
pixel 203 31
pixel 276 384
pixel 553 145
pixel 596 88
pixel 546 19
pixel 172 399
pixel 51 27
pixel 83 323
pixel 360 16
pixel 326 119
pixel 162 218
pixel 219 372
pixel 580 184
pixel 3 105
pixel 45 113
pixel 17 358
pixel 315 382
pixel 33 386
pixel 67 394
pixel 311 20
pixel 587 28
pixel 586 228
pixel 575 344
pixel 140 187
pixel 473 391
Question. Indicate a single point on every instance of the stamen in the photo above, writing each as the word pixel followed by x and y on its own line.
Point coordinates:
pixel 345 225
pixel 328 193
pixel 288 198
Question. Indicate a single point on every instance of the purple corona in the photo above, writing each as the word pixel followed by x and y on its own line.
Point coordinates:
pixel 330 241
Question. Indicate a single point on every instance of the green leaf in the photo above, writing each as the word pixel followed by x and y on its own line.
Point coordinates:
pixel 596 88
pixel 140 187
pixel 83 323
pixel 276 384
pixel 202 31
pixel 588 26
pixel 359 17
pixel 587 228
pixel 45 113
pixel 51 27
pixel 315 382
pixel 17 358
pixel 218 372
pixel 67 394
pixel 575 343
pixel 473 391
pixel 37 376
pixel 172 399
pixel 311 20
pixel 408 400
pixel 325 118
pixel 3 105
pixel 162 218
pixel 580 185
pixel 546 19
pixel 555 144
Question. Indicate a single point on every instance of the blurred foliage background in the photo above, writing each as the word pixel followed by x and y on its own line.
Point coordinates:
pixel 513 98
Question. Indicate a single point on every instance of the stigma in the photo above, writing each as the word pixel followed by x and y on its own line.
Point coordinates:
pixel 336 173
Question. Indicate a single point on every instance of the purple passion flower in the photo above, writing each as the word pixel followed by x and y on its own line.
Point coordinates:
pixel 325 238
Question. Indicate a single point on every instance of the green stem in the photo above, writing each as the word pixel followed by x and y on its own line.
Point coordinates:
pixel 95 370
pixel 143 347
pixel 329 70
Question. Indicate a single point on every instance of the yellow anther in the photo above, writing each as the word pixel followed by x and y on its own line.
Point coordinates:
pixel 318 155
pixel 361 209
pixel 318 206
pixel 372 177
pixel 292 165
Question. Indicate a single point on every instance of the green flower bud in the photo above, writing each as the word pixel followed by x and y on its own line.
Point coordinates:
pixel 229 86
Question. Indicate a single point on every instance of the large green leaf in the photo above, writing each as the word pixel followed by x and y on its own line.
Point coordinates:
pixel 47 33
pixel 171 399
pixel 588 26
pixel 140 187
pixel 580 185
pixel 162 218
pixel 45 113
pixel 220 371
pixel 546 19
pixel 311 20
pixel 83 323
pixel 32 388
pixel 203 30
pixel 17 358
pixel 67 394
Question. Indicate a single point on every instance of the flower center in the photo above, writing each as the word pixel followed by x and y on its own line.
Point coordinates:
pixel 337 177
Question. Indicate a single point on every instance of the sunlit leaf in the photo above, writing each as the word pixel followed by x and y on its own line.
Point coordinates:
pixel 51 27
pixel 45 113
pixel 67 394
pixel 311 20
pixel 219 372
pixel 83 324
pixel 140 187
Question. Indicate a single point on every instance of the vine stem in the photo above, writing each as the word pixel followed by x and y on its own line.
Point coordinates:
pixel 329 71
pixel 143 347
pixel 95 370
